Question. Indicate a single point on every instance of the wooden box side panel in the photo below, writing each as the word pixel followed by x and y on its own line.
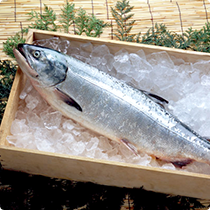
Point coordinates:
pixel 106 172
pixel 12 106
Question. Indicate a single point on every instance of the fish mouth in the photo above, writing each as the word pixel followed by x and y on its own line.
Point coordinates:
pixel 21 58
pixel 20 49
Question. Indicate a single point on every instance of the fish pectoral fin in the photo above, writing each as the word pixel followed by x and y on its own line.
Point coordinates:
pixel 67 99
pixel 130 146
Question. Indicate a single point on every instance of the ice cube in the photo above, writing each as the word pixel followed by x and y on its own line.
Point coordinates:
pixel 103 68
pixel 78 148
pixel 90 154
pixel 27 88
pixel 195 76
pixel 50 43
pixel 121 56
pixel 113 152
pixel 141 76
pixel 44 145
pixel 185 68
pixel 87 47
pixel 161 59
pixel 59 148
pixel 177 61
pixel 109 61
pixel 41 106
pixel 31 102
pixel 202 66
pixel 100 51
pixel 55 135
pixel 205 80
pixel 154 163
pixel 124 77
pixel 84 56
pixel 123 68
pixel 95 61
pixel 51 120
pixel 104 143
pixel 67 138
pixel 141 54
pixel 41 133
pixel 103 61
pixel 68 142
pixel 204 130
pixel 26 141
pixel 143 160
pixel 117 158
pixel 68 124
pixel 73 51
pixel 169 166
pixel 139 63
pixel 54 43
pixel 125 152
pixel 99 154
pixel 12 139
pixel 92 144
pixel 34 121
pixel 135 60
pixel 20 115
pixel 76 133
pixel 19 126
pixel 81 58
pixel 122 63
pixel 63 46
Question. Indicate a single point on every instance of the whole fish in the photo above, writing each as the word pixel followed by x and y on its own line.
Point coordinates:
pixel 111 107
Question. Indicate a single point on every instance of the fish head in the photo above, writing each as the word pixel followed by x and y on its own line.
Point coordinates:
pixel 47 66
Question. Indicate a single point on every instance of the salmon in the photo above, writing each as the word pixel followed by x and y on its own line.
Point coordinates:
pixel 111 107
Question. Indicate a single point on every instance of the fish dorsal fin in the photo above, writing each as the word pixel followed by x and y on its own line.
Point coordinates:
pixel 158 99
pixel 67 99
pixel 207 138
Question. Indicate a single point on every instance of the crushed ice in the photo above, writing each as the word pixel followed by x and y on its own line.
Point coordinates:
pixel 185 85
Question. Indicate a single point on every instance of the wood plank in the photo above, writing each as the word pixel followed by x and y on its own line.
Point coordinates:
pixel 105 172
pixel 11 107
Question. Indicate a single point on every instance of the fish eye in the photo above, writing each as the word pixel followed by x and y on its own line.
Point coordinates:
pixel 36 54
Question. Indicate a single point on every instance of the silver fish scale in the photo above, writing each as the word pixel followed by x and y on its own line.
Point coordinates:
pixel 119 111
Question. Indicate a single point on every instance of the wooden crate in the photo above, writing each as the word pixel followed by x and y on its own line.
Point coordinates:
pixel 93 170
